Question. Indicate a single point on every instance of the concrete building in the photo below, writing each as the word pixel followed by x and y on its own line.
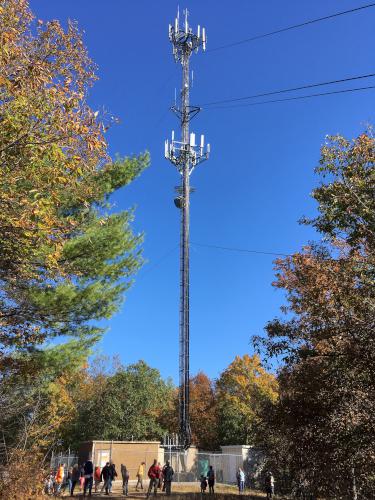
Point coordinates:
pixel 129 453
pixel 188 465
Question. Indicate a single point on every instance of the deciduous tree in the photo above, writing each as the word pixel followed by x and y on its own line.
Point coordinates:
pixel 126 405
pixel 64 259
pixel 242 389
pixel 203 412
pixel 326 411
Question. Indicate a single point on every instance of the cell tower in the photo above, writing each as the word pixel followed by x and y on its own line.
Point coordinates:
pixel 185 154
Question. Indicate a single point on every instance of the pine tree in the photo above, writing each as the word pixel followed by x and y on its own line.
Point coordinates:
pixel 65 258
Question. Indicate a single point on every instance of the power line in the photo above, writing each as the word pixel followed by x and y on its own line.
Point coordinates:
pixel 293 98
pixel 293 89
pixel 243 250
pixel 288 28
pixel 157 263
pixel 261 252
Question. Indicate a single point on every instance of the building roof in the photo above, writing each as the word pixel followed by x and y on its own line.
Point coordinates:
pixel 122 442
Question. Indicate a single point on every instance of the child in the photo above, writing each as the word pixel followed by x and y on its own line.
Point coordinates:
pixel 203 484
pixel 49 483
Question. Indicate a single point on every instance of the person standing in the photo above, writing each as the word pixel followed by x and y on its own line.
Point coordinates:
pixel 82 478
pixel 211 480
pixel 154 475
pixel 270 485
pixel 49 483
pixel 168 473
pixel 240 480
pixel 140 474
pixel 69 479
pixel 97 479
pixel 105 477
pixel 59 478
pixel 125 479
pixel 113 475
pixel 160 484
pixel 76 474
pixel 88 469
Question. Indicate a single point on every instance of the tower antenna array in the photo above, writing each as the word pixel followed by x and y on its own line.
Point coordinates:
pixel 185 154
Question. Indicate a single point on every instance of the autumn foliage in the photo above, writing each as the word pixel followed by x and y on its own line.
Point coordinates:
pixel 61 254
pixel 242 390
pixel 50 142
pixel 321 430
pixel 66 258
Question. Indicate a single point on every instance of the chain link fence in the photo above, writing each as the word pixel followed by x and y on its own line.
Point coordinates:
pixel 188 465
pixel 67 458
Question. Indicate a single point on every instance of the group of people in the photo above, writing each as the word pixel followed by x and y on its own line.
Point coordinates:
pixel 209 480
pixel 85 477
pixel 269 483
pixel 160 477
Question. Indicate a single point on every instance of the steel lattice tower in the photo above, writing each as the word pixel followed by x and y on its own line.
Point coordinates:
pixel 185 155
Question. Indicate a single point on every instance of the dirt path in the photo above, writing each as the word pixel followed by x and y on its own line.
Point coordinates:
pixel 179 490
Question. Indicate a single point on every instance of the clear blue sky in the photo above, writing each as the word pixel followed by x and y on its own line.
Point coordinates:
pixel 257 183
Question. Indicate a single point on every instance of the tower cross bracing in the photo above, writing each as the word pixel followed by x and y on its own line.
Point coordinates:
pixel 185 154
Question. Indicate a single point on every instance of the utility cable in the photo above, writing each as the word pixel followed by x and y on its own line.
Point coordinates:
pixel 261 252
pixel 293 89
pixel 309 96
pixel 157 263
pixel 288 28
pixel 244 250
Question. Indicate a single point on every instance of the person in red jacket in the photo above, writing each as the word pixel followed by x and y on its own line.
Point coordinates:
pixel 154 475
pixel 97 479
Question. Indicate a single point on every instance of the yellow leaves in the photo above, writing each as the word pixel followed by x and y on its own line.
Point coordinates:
pixel 245 380
pixel 63 180
pixel 61 407
pixel 7 36
pixel 50 145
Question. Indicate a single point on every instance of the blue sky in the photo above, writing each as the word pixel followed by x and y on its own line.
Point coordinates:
pixel 256 185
